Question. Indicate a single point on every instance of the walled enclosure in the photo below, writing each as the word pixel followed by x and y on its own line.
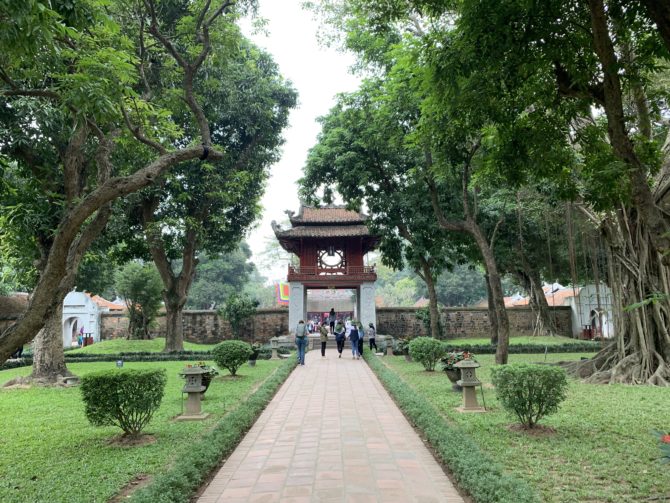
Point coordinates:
pixel 207 327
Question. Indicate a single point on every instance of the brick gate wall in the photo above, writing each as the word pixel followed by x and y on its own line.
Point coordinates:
pixel 206 327
pixel 466 322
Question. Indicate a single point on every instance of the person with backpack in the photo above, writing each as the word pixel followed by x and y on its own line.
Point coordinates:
pixel 372 333
pixel 340 337
pixel 301 341
pixel 361 335
pixel 353 338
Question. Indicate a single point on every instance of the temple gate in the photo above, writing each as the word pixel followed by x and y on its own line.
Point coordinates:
pixel 330 243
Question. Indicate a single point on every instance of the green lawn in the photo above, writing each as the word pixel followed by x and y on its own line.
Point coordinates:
pixel 123 345
pixel 50 453
pixel 602 449
pixel 521 339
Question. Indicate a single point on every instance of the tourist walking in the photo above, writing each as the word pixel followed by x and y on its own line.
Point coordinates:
pixel 301 341
pixel 324 339
pixel 353 338
pixel 339 337
pixel 331 320
pixel 361 335
pixel 372 333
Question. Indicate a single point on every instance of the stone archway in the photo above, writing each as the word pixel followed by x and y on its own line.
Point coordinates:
pixel 70 327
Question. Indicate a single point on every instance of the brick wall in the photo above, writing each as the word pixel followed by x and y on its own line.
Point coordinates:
pixel 466 322
pixel 206 327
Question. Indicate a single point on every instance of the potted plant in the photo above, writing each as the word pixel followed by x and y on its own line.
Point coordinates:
pixel 256 350
pixel 403 347
pixel 449 366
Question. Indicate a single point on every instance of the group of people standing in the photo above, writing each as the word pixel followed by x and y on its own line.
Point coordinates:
pixel 352 330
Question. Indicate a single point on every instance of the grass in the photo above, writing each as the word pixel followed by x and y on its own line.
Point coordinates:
pixel 601 451
pixel 130 346
pixel 49 451
pixel 540 340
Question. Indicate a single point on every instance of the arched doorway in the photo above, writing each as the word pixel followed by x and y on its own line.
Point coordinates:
pixel 70 331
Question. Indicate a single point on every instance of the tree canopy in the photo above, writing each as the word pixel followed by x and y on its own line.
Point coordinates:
pixel 95 99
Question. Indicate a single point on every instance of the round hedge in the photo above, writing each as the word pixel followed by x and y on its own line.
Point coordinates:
pixel 125 398
pixel 427 351
pixel 232 354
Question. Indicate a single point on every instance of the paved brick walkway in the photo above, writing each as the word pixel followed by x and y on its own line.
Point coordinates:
pixel 332 433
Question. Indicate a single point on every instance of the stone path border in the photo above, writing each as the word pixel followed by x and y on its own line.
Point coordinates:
pixel 331 434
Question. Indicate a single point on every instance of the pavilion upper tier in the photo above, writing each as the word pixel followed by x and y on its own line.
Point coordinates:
pixel 330 242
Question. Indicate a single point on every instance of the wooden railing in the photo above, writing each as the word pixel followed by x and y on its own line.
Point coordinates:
pixel 313 271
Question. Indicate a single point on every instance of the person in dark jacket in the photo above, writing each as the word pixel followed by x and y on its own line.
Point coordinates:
pixel 353 338
pixel 361 335
pixel 331 320
pixel 340 337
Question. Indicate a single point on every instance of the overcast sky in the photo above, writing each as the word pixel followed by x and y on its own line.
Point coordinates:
pixel 318 74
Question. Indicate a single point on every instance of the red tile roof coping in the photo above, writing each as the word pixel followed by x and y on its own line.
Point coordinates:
pixel 105 303
pixel 327 215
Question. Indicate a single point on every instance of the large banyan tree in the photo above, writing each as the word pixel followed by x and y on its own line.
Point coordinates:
pixel 600 62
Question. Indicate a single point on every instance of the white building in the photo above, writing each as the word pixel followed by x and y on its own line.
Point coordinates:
pixel 590 318
pixel 81 316
pixel 589 314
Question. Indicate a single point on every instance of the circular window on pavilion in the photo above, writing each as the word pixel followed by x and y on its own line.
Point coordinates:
pixel 331 258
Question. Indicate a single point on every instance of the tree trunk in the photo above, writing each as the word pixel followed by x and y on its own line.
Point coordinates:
pixel 538 302
pixel 48 355
pixel 174 328
pixel 493 317
pixel 435 324
pixel 659 12
pixel 470 226
pixel 176 285
pixel 497 294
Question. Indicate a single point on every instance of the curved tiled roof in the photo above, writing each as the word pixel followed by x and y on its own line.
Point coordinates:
pixel 333 214
pixel 324 231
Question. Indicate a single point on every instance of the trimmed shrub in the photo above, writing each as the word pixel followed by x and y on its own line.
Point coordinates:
pixel 231 354
pixel 427 351
pixel 530 391
pixel 123 398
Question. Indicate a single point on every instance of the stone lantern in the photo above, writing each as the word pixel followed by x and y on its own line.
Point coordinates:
pixel 274 344
pixel 469 383
pixel 194 389
pixel 389 346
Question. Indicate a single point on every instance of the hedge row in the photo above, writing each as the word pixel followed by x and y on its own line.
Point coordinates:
pixel 474 471
pixel 143 356
pixel 571 347
pixel 192 354
pixel 193 465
